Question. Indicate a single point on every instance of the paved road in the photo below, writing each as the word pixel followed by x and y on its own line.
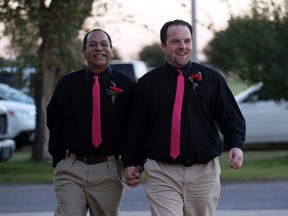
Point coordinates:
pixel 147 213
pixel 242 197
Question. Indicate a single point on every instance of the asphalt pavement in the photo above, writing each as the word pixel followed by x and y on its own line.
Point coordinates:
pixel 147 213
pixel 237 199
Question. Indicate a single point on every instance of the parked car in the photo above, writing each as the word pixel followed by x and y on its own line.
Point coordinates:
pixel 21 115
pixel 266 119
pixel 9 93
pixel 7 146
pixel 135 69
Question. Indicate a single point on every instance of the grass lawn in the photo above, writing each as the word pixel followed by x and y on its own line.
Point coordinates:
pixel 236 86
pixel 259 165
pixel 19 169
pixel 265 165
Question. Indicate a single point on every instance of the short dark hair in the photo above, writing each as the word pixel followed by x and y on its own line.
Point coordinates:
pixel 164 29
pixel 86 36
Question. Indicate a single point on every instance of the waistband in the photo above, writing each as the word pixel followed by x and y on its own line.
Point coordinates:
pixel 185 163
pixel 92 159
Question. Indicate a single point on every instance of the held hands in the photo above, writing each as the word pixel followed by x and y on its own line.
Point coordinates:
pixel 235 158
pixel 132 175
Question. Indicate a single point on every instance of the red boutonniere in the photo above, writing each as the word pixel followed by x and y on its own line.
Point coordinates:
pixel 195 79
pixel 114 91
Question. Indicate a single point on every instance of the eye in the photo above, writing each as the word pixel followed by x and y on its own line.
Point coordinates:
pixel 104 44
pixel 92 44
pixel 174 41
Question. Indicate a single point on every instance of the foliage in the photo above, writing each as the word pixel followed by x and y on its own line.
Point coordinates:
pixel 116 54
pixel 43 35
pixel 35 25
pixel 152 55
pixel 255 46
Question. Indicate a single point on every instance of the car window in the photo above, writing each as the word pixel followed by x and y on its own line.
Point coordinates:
pixel 9 93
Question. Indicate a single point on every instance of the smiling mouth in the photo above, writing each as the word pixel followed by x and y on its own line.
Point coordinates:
pixel 99 55
pixel 181 53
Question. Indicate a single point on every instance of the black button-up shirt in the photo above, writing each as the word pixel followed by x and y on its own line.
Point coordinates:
pixel 69 114
pixel 205 110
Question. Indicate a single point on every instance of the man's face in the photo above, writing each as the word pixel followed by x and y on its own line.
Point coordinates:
pixel 178 47
pixel 98 51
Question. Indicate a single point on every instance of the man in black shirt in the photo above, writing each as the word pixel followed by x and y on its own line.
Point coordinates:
pixel 185 181
pixel 86 176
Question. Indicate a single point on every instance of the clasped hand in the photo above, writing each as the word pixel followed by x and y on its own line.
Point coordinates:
pixel 133 175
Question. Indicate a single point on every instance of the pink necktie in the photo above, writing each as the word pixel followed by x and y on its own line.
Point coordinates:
pixel 96 117
pixel 176 117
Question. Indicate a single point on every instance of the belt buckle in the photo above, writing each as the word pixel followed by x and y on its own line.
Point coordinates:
pixel 85 159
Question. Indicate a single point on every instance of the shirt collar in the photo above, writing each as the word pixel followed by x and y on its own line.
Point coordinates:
pixel 186 69
pixel 103 76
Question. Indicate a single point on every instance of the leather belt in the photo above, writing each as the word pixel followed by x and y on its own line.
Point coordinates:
pixel 186 163
pixel 92 159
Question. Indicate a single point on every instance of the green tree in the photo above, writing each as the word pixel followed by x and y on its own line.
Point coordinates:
pixel 44 35
pixel 116 54
pixel 255 46
pixel 152 55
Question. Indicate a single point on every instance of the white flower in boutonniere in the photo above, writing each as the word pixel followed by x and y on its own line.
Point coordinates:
pixel 114 91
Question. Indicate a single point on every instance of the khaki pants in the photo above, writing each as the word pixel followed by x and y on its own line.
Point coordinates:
pixel 175 190
pixel 97 187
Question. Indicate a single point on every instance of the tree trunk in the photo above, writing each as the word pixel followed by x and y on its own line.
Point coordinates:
pixel 44 86
pixel 49 58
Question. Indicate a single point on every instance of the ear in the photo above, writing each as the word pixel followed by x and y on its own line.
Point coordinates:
pixel 84 54
pixel 163 47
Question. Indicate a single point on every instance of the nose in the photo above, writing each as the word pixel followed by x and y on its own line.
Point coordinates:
pixel 98 46
pixel 182 44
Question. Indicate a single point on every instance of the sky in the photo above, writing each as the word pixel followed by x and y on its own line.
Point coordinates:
pixel 129 39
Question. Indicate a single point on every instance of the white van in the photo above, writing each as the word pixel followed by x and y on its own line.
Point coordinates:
pixel 21 115
pixel 7 146
pixel 135 69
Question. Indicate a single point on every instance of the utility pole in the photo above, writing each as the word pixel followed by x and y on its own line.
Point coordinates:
pixel 193 7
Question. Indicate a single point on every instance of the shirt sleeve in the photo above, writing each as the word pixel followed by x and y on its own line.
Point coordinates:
pixel 229 118
pixel 134 147
pixel 55 123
